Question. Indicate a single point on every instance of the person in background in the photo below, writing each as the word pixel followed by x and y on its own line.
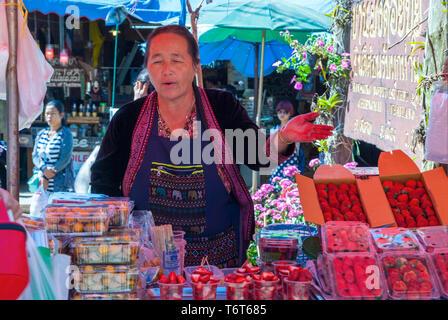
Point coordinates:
pixel 142 86
pixel 284 111
pixel 52 153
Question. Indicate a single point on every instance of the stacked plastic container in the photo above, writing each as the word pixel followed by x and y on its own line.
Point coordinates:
pixel 384 263
pixel 104 262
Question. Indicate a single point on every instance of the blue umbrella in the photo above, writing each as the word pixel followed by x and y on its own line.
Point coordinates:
pixel 242 54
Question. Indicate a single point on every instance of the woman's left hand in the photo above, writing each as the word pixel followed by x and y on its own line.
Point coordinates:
pixel 300 129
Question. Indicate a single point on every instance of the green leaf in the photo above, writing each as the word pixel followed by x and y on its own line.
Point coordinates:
pixel 311 247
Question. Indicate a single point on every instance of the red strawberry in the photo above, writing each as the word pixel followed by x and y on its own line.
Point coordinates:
pixel 180 279
pixel 399 286
pixel 338 217
pixel 433 221
pixel 256 276
pixel 321 186
pixel 344 187
pixel 164 279
pixel 398 185
pixel 414 203
pixel 403 198
pixel 387 185
pixel 346 203
pixel 352 187
pixel 305 275
pixel 395 191
pixel 429 212
pixel 332 187
pixel 294 273
pixel 415 211
pixel 334 203
pixel 411 184
pixel 420 184
pixel 402 205
pixel 411 224
pixel 410 275
pixel 322 194
pixel 425 286
pixel 195 277
pixel 204 278
pixel 393 202
pixel 172 277
pixel 202 271
pixel 399 219
pixel 241 270
pixel 267 276
pixel 328 216
pixel 420 192
pixel 426 204
pixel 422 222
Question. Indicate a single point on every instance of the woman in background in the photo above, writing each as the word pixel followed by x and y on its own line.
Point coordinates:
pixel 52 153
pixel 284 111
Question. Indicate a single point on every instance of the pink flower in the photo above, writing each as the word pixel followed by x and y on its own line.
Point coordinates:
pixel 320 42
pixel 271 212
pixel 284 183
pixel 345 54
pixel 298 86
pixel 330 49
pixel 304 55
pixel 259 224
pixel 292 194
pixel 290 171
pixel 295 213
pixel 314 162
pixel 345 64
pixel 256 198
pixel 258 207
pixel 276 179
pixel 351 165
pixel 293 79
pixel 278 216
pixel 333 67
pixel 276 64
pixel 266 188
pixel 287 32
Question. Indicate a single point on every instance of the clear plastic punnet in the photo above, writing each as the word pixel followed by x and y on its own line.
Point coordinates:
pixel 394 239
pixel 433 238
pixel 105 296
pixel 217 273
pixel 440 262
pixel 345 236
pixel 105 279
pixel 409 276
pixel 122 208
pixel 77 219
pixel 109 249
pixel 356 276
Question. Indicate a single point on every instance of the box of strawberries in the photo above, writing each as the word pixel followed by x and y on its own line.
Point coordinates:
pixel 335 195
pixel 417 199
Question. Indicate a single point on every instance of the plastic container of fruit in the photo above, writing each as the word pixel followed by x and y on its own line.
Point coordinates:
pixel 122 208
pixel 345 236
pixel 279 242
pixel 296 290
pixel 266 289
pixel 439 260
pixel 105 279
pixel 394 239
pixel 77 219
pixel 105 296
pixel 204 291
pixel 215 272
pixel 433 238
pixel 409 276
pixel 238 287
pixel 355 276
pixel 110 249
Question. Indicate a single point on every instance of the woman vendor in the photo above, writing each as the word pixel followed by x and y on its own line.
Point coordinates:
pixel 209 201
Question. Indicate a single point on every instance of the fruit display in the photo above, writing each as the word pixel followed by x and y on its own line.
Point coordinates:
pixel 440 261
pixel 171 287
pixel 408 276
pixel 433 238
pixel 248 269
pixel 212 271
pixel 411 205
pixel 32 223
pixel 394 239
pixel 237 286
pixel 356 276
pixel 122 208
pixel 297 284
pixel 265 286
pixel 345 236
pixel 119 249
pixel 105 279
pixel 281 270
pixel 77 219
pixel 340 203
pixel 105 296
pixel 203 284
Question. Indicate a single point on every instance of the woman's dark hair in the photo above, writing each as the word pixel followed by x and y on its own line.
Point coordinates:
pixel 286 106
pixel 59 106
pixel 193 48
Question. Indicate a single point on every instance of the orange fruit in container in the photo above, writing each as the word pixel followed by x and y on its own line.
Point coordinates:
pixel 69 218
pixel 78 227
pixel 89 227
pixel 88 269
pixel 100 227
pixel 104 249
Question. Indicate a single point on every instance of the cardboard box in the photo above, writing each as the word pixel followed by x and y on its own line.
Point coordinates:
pixel 372 196
pixel 397 166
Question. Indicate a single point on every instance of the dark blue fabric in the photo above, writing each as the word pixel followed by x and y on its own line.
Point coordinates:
pixel 222 210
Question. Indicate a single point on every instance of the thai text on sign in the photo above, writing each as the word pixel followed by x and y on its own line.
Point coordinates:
pixel 383 108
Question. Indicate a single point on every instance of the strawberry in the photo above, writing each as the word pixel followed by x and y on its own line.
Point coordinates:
pixel 305 276
pixel 332 187
pixel 204 278
pixel 389 261
pixel 352 187
pixel 433 221
pixel 402 205
pixel 322 194
pixel 241 270
pixel 267 276
pixel 429 212
pixel 256 276
pixel 420 184
pixel 172 277
pixel 321 186
pixel 411 184
pixel 338 217
pixel 398 185
pixel 253 269
pixel 344 187
pixel 387 185
pixel 180 279
pixel 425 286
pixel 294 273
pixel 399 286
pixel 414 203
pixel 164 279
pixel 328 216
pixel 202 271
pixel 426 204
pixel 415 211
pixel 409 276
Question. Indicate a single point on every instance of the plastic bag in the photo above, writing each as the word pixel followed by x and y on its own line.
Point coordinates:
pixel 436 144
pixel 38 202
pixel 141 222
pixel 82 181
pixel 33 71
pixel 33 182
pixel 48 277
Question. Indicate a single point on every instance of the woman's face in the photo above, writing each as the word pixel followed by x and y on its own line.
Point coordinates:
pixel 170 66
pixel 53 116
pixel 283 115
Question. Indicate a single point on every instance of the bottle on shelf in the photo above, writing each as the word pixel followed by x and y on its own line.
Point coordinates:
pixel 88 111
pixel 94 112
pixel 74 110
pixel 80 110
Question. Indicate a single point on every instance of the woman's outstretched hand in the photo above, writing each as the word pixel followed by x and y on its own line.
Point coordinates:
pixel 300 129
